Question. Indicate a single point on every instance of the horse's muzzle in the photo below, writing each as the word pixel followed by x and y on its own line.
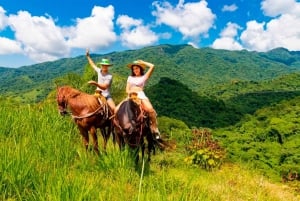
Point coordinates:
pixel 63 112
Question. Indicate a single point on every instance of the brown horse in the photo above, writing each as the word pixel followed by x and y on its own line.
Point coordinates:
pixel 132 127
pixel 88 112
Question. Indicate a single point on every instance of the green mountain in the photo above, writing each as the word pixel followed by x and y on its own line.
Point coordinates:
pixel 196 68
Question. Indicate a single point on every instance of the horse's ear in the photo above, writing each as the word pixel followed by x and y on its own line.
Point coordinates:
pixel 57 85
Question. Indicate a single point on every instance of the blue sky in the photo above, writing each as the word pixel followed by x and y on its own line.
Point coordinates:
pixel 36 31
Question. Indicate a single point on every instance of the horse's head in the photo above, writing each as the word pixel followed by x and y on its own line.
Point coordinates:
pixel 61 101
pixel 129 116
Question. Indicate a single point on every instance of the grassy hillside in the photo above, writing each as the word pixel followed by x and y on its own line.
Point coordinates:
pixel 42 158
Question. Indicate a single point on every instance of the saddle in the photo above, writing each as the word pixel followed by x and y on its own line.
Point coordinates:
pixel 134 97
pixel 102 101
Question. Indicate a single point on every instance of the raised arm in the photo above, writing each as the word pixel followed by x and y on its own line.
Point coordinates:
pixel 150 70
pixel 91 62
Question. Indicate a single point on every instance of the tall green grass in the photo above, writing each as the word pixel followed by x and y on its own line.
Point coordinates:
pixel 43 159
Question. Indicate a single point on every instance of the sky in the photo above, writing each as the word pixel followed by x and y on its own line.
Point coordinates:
pixel 36 31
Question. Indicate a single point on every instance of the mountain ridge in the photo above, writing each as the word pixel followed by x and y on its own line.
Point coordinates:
pixel 197 68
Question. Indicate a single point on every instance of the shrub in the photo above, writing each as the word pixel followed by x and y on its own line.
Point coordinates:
pixel 204 151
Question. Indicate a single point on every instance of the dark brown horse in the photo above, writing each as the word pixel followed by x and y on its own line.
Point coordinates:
pixel 88 112
pixel 132 127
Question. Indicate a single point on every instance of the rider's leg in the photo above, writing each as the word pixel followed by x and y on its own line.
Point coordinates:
pixel 152 116
pixel 111 104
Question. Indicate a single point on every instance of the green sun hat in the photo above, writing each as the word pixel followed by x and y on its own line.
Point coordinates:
pixel 104 62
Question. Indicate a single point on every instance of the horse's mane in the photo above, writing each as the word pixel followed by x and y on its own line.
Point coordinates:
pixel 82 98
pixel 127 115
pixel 129 107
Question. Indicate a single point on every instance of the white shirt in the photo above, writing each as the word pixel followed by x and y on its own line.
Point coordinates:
pixel 104 79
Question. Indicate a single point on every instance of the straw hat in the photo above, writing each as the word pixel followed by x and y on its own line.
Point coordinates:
pixel 104 62
pixel 137 63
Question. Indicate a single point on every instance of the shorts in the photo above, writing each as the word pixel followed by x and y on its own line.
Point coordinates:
pixel 108 97
pixel 141 95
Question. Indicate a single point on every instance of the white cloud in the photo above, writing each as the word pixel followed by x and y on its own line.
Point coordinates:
pixel 134 33
pixel 40 38
pixel 3 18
pixel 276 33
pixel 190 19
pixel 227 38
pixel 229 8
pixel 282 31
pixel 94 32
pixel 9 46
pixel 273 8
pixel 126 22
pixel 193 45
pixel 255 37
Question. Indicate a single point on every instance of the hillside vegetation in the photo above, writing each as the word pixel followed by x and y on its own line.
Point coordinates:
pixel 248 100
pixel 196 68
pixel 42 158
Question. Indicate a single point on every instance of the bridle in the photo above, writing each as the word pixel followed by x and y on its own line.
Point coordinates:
pixel 62 105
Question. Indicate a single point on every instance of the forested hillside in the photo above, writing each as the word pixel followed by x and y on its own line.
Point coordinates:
pixel 198 69
pixel 268 140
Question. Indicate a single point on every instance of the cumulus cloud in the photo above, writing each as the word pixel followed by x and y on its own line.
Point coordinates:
pixel 275 8
pixel 281 31
pixel 255 37
pixel 190 19
pixel 39 36
pixel 3 19
pixel 229 8
pixel 9 46
pixel 276 33
pixel 227 38
pixel 134 33
pixel 94 32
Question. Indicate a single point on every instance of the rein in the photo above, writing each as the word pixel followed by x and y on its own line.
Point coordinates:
pixel 92 113
pixel 86 115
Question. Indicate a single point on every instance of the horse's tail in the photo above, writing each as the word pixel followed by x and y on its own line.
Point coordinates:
pixel 164 144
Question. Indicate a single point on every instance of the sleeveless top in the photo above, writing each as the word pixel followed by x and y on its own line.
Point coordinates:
pixel 138 82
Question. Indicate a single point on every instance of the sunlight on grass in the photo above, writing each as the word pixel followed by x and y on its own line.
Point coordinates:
pixel 42 158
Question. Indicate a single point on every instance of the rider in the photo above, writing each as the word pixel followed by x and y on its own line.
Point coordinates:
pixel 104 79
pixel 135 84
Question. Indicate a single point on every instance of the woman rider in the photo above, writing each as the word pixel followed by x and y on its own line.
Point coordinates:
pixel 135 84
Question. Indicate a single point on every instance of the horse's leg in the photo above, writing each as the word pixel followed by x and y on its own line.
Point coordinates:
pixel 119 138
pixel 150 145
pixel 85 137
pixel 104 133
pixel 95 139
pixel 136 154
